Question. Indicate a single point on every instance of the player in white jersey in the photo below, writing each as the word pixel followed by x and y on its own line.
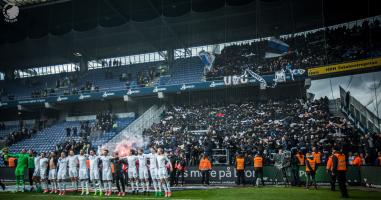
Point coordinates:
pixel 153 171
pixel 94 172
pixel 73 170
pixel 43 172
pixel 83 177
pixel 132 173
pixel 53 172
pixel 36 174
pixel 143 171
pixel 62 173
pixel 106 172
pixel 162 160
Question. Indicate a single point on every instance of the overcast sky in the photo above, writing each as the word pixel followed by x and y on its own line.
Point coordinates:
pixel 362 87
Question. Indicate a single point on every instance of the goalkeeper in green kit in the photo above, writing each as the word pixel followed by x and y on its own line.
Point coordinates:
pixel 22 164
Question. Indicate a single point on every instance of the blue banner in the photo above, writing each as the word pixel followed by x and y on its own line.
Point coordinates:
pixel 145 91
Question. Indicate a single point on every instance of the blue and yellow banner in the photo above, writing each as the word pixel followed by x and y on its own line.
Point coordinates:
pixel 344 67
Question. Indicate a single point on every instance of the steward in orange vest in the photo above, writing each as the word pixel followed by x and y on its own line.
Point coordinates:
pixel 340 170
pixel 300 157
pixel 317 156
pixel 329 169
pixel 240 167
pixel 357 161
pixel 329 164
pixel 205 166
pixel 12 162
pixel 310 171
pixel 258 169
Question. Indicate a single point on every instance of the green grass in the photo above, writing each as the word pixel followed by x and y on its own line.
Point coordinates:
pixel 231 193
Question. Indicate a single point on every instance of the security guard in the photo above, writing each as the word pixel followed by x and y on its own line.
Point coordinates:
pixel 205 166
pixel 317 156
pixel 300 157
pixel 240 167
pixel 295 168
pixel 340 170
pixel 310 170
pixel 329 169
pixel 357 162
pixel 258 169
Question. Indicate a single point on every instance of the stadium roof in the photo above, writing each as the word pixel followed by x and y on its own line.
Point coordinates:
pixel 50 32
pixel 23 3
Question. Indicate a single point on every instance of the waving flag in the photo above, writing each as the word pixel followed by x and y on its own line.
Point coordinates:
pixel 207 59
pixel 276 48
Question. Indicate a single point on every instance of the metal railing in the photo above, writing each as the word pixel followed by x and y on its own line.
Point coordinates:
pixel 220 156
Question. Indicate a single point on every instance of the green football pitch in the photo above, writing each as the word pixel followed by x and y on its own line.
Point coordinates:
pixel 231 193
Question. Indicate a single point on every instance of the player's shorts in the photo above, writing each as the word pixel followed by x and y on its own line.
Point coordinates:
pixel 153 172
pixel 143 173
pixel 43 174
pixel 94 174
pixel 132 173
pixel 36 172
pixel 53 174
pixel 20 170
pixel 83 174
pixel 62 174
pixel 73 172
pixel 162 173
pixel 106 175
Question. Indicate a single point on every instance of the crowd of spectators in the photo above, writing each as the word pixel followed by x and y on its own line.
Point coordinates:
pixel 64 81
pixel 312 49
pixel 69 144
pixel 67 79
pixel 264 127
pixel 111 63
pixel 43 93
pixel 105 121
pixel 19 135
pixel 143 77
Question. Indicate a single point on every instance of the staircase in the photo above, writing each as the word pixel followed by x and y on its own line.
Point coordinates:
pixel 134 132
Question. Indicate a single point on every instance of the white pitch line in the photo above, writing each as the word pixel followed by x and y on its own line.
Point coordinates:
pixel 111 197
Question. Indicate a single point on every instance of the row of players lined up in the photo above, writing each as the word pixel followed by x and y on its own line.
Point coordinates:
pixel 80 168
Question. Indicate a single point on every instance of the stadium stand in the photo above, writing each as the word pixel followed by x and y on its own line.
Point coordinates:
pixel 137 75
pixel 306 50
pixel 252 127
pixel 7 130
pixel 188 70
pixel 41 142
pixel 187 98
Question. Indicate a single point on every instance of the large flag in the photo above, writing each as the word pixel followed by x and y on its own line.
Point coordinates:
pixel 207 59
pixel 257 77
pixel 276 48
